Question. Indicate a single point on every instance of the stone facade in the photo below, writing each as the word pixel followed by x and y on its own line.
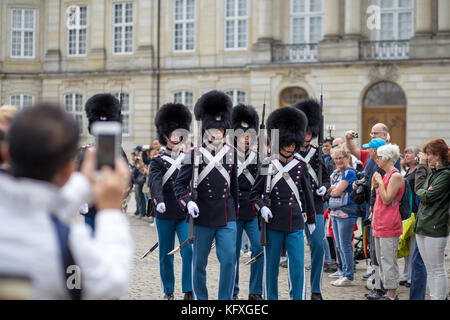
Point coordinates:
pixel 342 64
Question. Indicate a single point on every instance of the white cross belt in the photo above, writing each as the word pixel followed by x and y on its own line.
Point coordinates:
pixel 174 165
pixel 213 160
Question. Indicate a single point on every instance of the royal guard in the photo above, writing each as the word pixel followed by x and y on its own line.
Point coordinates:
pixel 310 154
pixel 282 196
pixel 212 168
pixel 170 219
pixel 100 107
pixel 245 123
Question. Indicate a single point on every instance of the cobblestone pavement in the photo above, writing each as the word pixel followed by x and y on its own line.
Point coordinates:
pixel 146 284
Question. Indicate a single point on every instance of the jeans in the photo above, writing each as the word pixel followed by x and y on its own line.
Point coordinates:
pixel 343 232
pixel 432 251
pixel 418 277
pixel 326 247
pixel 407 270
pixel 140 200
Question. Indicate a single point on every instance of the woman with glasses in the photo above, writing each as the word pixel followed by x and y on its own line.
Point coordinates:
pixel 343 214
pixel 387 222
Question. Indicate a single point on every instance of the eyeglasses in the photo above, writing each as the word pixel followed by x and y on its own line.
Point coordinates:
pixel 338 159
pixel 372 134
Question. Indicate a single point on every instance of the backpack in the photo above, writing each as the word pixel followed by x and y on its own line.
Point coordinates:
pixel 405 204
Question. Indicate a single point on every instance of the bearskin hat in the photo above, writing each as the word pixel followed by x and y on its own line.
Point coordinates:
pixel 171 116
pixel 244 117
pixel 214 110
pixel 291 123
pixel 311 108
pixel 102 106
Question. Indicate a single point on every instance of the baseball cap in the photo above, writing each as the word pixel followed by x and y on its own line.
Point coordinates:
pixel 374 143
pixel 139 148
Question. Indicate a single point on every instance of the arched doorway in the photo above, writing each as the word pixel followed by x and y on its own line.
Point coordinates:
pixel 291 95
pixel 385 102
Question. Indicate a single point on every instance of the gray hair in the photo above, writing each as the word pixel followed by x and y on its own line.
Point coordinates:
pixel 389 152
pixel 412 149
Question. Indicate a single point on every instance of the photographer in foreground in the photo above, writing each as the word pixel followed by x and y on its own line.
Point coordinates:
pixel 59 261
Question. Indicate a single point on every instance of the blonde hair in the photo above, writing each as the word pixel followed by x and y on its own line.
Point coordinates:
pixel 341 148
pixel 7 113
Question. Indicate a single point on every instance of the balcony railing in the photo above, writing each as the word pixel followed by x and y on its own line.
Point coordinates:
pixel 384 50
pixel 305 52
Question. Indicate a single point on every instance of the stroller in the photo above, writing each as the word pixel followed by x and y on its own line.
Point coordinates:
pixel 359 250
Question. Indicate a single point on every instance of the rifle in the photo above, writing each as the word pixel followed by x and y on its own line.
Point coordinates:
pixel 120 111
pixel 266 196
pixel 263 225
pixel 320 140
pixel 194 192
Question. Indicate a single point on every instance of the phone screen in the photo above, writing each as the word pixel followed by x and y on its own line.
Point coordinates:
pixel 106 151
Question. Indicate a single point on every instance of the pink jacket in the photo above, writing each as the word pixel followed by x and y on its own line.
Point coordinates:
pixel 387 221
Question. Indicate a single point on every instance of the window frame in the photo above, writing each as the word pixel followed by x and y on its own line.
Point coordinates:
pixel 184 21
pixel 21 99
pixel 22 31
pixel 307 15
pixel 236 19
pixel 396 10
pixel 74 113
pixel 77 36
pixel 123 26
pixel 235 94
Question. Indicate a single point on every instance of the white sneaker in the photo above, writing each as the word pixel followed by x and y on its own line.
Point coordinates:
pixel 335 281
pixel 336 275
pixel 344 282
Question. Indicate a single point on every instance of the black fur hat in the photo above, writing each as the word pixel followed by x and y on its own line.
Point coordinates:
pixel 244 117
pixel 292 125
pixel 311 108
pixel 171 116
pixel 214 110
pixel 102 106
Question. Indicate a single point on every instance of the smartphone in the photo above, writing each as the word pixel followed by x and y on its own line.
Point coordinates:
pixel 107 142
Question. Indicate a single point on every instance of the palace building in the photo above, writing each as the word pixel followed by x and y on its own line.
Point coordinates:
pixel 373 60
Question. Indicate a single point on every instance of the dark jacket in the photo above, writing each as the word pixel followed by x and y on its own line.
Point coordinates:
pixel 160 193
pixel 246 212
pixel 314 162
pixel 287 216
pixel 433 217
pixel 217 201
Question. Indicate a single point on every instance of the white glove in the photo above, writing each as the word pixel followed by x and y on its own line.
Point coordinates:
pixel 311 227
pixel 321 191
pixel 161 207
pixel 266 214
pixel 193 209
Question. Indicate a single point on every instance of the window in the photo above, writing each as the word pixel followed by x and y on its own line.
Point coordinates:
pixel 125 112
pixel 236 17
pixel 184 97
pixel 21 100
pixel 291 95
pixel 397 20
pixel 73 103
pixel 22 33
pixel 237 96
pixel 76 34
pixel 184 25
pixel 306 21
pixel 123 28
pixel 383 94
